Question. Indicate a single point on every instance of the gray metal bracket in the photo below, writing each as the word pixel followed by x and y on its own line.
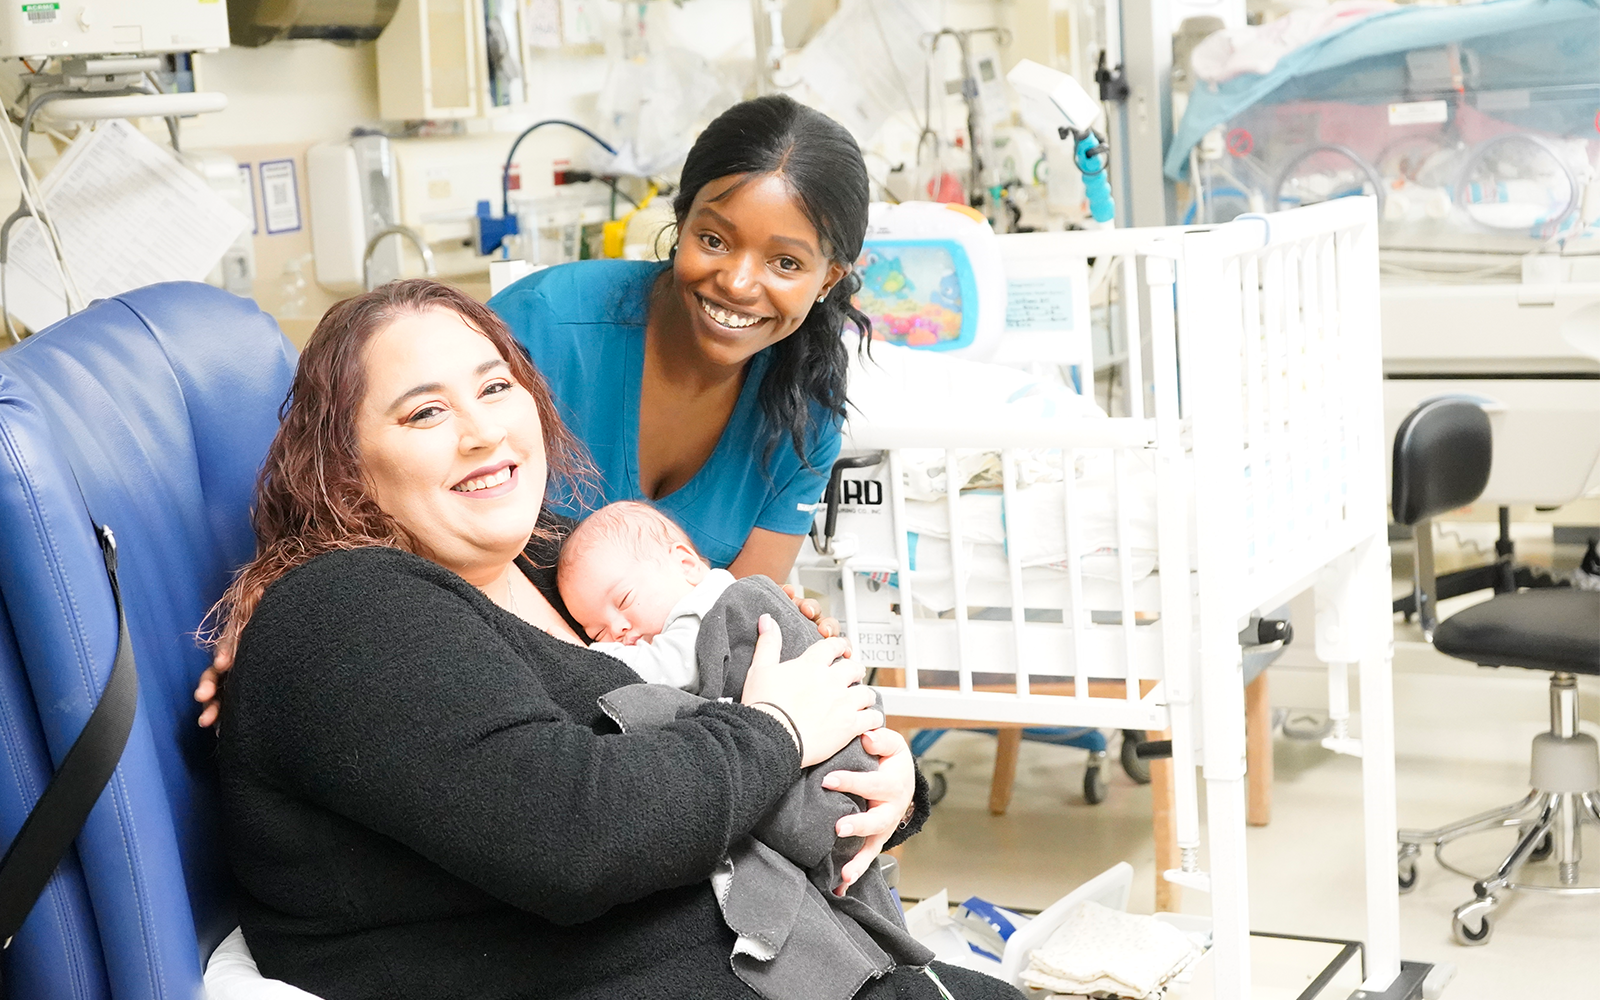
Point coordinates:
pixel 1415 981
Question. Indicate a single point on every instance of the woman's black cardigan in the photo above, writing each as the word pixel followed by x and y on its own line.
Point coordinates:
pixel 423 800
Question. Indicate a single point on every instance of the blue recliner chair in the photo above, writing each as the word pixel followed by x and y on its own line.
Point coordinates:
pixel 160 405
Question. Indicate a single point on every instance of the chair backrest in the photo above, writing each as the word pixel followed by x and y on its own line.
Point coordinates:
pixel 159 404
pixel 56 954
pixel 1442 453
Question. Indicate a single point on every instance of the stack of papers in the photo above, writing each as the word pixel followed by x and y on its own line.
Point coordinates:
pixel 129 213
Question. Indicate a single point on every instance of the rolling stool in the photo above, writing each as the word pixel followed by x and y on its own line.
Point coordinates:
pixel 1441 461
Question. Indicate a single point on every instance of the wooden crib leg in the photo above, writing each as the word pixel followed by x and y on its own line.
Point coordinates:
pixel 1008 743
pixel 1169 897
pixel 1258 751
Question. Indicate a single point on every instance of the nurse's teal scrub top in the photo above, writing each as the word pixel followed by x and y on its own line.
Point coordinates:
pixel 583 324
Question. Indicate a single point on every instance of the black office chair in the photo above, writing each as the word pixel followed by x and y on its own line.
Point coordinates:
pixel 1441 461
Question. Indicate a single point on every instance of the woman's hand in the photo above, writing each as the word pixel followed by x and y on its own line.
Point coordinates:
pixel 827 627
pixel 820 691
pixel 209 691
pixel 888 792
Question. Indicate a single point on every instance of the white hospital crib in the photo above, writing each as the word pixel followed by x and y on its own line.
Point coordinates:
pixel 1123 556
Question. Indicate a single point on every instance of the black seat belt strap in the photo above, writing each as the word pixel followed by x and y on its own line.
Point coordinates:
pixel 53 823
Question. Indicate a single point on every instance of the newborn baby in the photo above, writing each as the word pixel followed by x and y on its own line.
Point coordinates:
pixel 634 581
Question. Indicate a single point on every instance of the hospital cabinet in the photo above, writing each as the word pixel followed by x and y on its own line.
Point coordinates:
pixel 453 59
pixel 1531 355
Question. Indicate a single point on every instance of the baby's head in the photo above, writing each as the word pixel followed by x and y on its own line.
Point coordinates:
pixel 621 571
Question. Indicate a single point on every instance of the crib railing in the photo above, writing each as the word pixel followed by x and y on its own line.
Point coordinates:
pixel 1285 382
pixel 1255 401
pixel 983 657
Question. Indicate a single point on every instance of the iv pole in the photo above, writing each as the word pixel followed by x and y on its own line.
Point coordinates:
pixel 979 192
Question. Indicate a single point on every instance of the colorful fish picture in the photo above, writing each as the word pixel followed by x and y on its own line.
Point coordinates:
pixel 912 293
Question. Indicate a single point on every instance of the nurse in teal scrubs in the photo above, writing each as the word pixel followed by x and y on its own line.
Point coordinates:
pixel 713 385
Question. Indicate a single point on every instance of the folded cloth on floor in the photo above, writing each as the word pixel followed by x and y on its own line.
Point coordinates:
pixel 1099 950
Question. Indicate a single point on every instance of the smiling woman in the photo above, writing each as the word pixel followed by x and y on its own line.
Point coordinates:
pixel 342 472
pixel 424 799
pixel 445 459
pixel 714 386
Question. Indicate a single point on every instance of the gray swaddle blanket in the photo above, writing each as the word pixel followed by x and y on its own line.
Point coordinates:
pixel 796 939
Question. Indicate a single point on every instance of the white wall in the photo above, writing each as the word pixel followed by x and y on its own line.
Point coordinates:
pixel 286 92
pixel 287 96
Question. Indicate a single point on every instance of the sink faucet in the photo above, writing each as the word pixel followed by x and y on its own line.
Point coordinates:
pixel 382 234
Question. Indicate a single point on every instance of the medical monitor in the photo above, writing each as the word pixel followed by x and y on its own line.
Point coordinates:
pixel 37 30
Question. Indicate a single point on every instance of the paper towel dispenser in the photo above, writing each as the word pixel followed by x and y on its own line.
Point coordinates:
pixel 257 22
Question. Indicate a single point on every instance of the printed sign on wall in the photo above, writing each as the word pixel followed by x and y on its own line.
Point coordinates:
pixel 280 196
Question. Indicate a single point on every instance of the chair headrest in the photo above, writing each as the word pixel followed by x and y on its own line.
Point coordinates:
pixel 1442 454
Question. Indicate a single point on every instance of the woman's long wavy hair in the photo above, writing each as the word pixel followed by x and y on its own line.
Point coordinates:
pixel 312 495
pixel 820 161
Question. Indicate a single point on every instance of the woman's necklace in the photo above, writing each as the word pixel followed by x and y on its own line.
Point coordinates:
pixel 511 596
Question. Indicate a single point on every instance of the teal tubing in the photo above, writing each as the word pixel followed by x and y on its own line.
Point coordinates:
pixel 1090 156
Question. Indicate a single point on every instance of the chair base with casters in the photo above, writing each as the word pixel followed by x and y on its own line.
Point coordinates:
pixel 1557 631
pixel 1443 451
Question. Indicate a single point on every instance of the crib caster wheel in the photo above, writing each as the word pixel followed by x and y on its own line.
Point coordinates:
pixel 937 787
pixel 1095 783
pixel 1095 786
pixel 1132 766
pixel 1407 861
pixel 1408 874
pixel 1471 924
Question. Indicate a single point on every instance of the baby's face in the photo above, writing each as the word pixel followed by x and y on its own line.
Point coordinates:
pixel 618 597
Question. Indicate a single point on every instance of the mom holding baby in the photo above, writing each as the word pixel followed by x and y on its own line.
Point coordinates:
pixel 424 795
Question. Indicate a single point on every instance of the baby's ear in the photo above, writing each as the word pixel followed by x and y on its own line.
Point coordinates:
pixel 694 568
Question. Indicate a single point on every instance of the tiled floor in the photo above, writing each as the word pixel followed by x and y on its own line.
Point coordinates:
pixel 1305 868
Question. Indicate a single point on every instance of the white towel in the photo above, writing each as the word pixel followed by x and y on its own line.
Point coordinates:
pixel 1101 950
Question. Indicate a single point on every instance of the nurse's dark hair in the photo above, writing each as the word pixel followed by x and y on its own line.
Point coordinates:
pixel 822 165
pixel 312 494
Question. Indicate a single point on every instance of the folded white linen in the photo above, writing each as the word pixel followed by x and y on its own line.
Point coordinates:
pixel 904 386
pixel 231 974
pixel 901 385
pixel 1101 950
pixel 1037 520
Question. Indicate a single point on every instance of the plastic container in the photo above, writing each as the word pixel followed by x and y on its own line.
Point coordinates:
pixel 551 228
